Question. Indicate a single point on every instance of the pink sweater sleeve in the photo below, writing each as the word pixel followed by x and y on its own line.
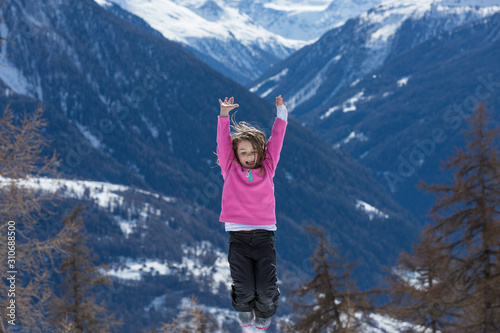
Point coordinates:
pixel 224 145
pixel 275 143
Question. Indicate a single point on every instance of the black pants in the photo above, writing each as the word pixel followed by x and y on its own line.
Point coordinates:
pixel 252 260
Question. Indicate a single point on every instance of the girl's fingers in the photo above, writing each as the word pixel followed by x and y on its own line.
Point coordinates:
pixel 228 103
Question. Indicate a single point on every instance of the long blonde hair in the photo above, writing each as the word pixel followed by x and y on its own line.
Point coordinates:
pixel 244 131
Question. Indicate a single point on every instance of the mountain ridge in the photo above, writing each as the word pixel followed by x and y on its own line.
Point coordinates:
pixel 361 45
pixel 241 39
pixel 426 92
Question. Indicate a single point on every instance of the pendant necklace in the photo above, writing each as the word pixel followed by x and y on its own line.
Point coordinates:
pixel 249 175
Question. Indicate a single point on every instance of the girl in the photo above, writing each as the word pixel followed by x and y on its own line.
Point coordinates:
pixel 248 164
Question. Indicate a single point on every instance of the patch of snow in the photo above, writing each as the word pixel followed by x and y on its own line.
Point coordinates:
pixel 275 78
pixel 350 104
pixel 370 210
pixel 413 279
pixel 94 141
pixel 105 195
pixel 218 272
pixel 152 128
pixel 267 92
pixel 133 270
pixel 384 324
pixel 156 304
pixel 347 106
pixel 296 7
pixel 190 267
pixel 384 33
pixel 103 2
pixel 329 112
pixel 12 76
pixel 354 83
pixel 403 81
pixel 351 136
pixel 126 226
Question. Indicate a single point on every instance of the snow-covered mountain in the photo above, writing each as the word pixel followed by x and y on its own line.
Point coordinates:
pixel 370 87
pixel 313 76
pixel 242 39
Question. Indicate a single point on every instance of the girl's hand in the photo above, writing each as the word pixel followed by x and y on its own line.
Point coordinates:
pixel 227 106
pixel 279 101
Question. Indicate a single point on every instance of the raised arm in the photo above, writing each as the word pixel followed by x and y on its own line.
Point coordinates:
pixel 224 145
pixel 275 142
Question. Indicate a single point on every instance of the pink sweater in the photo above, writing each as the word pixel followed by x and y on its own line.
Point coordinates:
pixel 244 201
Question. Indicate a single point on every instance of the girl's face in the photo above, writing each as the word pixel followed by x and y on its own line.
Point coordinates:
pixel 247 154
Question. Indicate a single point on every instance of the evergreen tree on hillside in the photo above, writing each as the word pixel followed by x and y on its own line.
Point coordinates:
pixel 415 287
pixel 331 301
pixel 31 251
pixel 458 258
pixel 78 307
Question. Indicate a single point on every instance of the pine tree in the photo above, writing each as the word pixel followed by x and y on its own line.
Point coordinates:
pixel 469 227
pixel 337 305
pixel 22 161
pixel 415 287
pixel 78 304
pixel 460 251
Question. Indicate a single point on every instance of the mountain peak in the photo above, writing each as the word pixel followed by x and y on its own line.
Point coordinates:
pixel 211 10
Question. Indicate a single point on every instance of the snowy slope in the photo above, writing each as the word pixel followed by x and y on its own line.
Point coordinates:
pixel 212 19
pixel 220 35
pixel 302 19
pixel 346 53
pixel 242 39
